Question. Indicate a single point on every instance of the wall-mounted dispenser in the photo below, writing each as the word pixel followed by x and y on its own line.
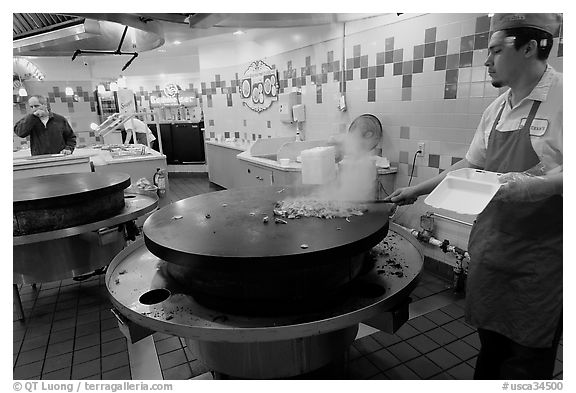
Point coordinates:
pixel 299 113
pixel 286 102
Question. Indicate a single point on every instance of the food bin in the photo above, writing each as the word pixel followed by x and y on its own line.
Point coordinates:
pixel 465 191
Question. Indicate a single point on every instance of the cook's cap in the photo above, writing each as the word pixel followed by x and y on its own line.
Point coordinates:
pixel 546 22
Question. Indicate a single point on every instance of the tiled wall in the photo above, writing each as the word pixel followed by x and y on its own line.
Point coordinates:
pixel 423 77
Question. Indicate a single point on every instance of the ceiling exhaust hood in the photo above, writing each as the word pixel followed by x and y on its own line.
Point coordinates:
pixel 64 39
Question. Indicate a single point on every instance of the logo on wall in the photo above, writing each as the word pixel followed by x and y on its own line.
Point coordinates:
pixel 259 86
pixel 171 90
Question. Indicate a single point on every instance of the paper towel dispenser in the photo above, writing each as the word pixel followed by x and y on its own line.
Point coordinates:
pixel 286 102
pixel 299 112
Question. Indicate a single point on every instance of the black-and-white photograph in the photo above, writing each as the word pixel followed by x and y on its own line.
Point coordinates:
pixel 287 196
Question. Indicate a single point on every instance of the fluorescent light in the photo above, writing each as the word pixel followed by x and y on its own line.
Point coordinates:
pixel 69 91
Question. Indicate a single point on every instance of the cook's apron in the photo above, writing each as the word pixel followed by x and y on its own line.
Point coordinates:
pixel 515 276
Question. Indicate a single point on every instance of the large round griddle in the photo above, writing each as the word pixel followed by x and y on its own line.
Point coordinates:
pixel 218 244
pixel 51 202
pixel 135 274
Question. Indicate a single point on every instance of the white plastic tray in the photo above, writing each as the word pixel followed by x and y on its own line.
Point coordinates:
pixel 465 191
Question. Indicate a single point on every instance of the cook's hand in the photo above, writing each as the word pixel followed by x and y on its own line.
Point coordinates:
pixel 65 152
pixel 523 187
pixel 403 196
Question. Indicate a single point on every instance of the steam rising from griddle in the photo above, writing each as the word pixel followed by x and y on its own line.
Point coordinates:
pixel 357 172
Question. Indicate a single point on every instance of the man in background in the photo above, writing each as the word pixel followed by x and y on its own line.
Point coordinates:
pixel 49 132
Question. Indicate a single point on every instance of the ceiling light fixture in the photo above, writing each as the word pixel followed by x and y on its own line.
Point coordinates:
pixel 177 42
pixel 101 88
pixel 69 91
pixel 22 92
pixel 239 32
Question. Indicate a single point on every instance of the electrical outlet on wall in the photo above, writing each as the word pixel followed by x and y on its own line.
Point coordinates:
pixel 421 148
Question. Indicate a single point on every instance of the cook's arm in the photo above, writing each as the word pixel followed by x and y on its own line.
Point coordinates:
pixel 408 195
pixel 524 187
pixel 24 126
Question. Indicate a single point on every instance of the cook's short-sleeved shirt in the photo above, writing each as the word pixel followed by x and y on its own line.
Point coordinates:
pixel 545 131
pixel 139 127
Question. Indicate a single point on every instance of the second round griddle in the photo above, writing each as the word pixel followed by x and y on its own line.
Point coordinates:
pixel 51 202
pixel 219 244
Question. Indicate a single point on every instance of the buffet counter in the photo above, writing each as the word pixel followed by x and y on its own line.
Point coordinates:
pixel 136 160
pixel 25 165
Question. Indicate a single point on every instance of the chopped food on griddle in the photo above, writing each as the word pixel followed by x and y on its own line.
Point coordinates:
pixel 298 208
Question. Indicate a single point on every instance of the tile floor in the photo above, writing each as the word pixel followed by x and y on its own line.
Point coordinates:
pixel 69 332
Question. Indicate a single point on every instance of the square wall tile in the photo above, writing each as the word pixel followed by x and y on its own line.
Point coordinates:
pixel 389 44
pixel 434 161
pixel 477 89
pixel 397 69
pixel 455 160
pixel 398 55
pixel 439 63
pixel 417 66
pixel 464 74
pixel 406 81
pixel 407 67
pixel 478 74
pixel 372 72
pixel 371 95
pixel 380 58
pixel 430 35
pixel 406 94
pixel 482 24
pixel 418 51
pixel 442 48
pixel 389 57
pixel 481 41
pixel 454 45
pixel 479 57
pixel 466 59
pixel 429 49
pixel 403 157
pixel 404 134
pixel 467 43
pixel 463 90
pixel 446 32
pixel 453 61
pixel 450 91
pixel 452 76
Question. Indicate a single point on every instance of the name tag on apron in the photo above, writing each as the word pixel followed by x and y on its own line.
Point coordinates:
pixel 538 126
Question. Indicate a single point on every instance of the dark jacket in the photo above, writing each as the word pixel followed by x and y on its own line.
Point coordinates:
pixel 50 139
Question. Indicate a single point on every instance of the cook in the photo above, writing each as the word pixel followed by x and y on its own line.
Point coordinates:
pixel 50 133
pixel 137 131
pixel 514 288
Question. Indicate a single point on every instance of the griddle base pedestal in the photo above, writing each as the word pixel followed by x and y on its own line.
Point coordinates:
pixel 276 359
